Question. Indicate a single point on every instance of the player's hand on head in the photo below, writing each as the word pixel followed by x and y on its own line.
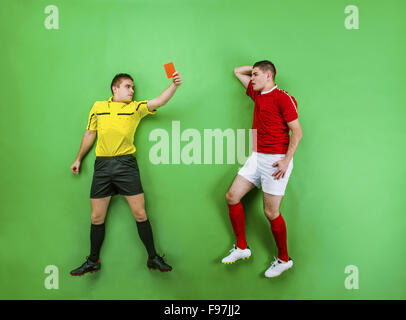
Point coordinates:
pixel 177 79
pixel 75 167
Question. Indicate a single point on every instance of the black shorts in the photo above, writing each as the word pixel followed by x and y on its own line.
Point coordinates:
pixel 116 175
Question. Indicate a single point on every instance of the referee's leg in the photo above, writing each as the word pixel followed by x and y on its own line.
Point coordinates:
pixel 99 209
pixel 137 205
pixel 97 229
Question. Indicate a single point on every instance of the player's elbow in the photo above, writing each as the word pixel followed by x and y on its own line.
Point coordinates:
pixel 299 134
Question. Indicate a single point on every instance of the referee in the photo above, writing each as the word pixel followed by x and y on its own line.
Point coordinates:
pixel 116 170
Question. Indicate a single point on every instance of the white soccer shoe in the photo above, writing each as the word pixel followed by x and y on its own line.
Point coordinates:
pixel 237 254
pixel 277 267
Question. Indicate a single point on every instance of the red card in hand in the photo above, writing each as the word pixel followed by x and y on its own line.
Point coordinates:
pixel 170 69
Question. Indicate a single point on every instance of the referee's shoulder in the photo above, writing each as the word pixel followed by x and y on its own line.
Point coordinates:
pixel 99 105
pixel 100 102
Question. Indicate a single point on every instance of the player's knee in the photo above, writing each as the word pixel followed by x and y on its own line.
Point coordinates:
pixel 271 214
pixel 231 197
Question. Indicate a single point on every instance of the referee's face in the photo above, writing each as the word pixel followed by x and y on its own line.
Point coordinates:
pixel 125 91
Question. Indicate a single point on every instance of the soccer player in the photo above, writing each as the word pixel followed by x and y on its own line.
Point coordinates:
pixel 116 169
pixel 270 164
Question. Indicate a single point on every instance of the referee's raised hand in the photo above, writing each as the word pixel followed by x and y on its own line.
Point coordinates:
pixel 177 79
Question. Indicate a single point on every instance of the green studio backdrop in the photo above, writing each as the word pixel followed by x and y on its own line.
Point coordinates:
pixel 344 204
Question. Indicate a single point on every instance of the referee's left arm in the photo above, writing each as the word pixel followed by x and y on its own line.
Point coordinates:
pixel 164 97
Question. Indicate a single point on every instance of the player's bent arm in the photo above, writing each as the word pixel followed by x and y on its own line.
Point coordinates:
pixel 164 97
pixel 295 138
pixel 87 142
pixel 243 74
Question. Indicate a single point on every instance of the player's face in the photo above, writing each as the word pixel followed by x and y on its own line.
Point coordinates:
pixel 125 91
pixel 259 79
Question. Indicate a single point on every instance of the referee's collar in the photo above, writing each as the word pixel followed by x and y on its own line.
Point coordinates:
pixel 269 90
pixel 125 102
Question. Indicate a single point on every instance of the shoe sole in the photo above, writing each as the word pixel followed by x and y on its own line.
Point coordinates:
pixel 150 268
pixel 82 274
pixel 246 258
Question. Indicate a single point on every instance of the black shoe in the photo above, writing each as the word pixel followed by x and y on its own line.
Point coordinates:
pixel 158 262
pixel 88 266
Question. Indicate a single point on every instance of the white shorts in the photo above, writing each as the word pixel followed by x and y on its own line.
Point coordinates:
pixel 258 170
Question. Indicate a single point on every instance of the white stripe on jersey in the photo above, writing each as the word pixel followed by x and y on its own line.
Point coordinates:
pixel 290 99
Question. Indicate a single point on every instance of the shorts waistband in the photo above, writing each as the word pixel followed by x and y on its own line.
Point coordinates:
pixel 270 154
pixel 116 157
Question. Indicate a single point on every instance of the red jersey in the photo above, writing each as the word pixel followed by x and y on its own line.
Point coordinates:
pixel 273 109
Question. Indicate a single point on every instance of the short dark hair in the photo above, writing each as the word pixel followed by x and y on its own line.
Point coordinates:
pixel 117 80
pixel 266 65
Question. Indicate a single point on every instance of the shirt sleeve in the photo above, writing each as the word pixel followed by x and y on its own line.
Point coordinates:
pixel 250 91
pixel 141 108
pixel 288 107
pixel 92 121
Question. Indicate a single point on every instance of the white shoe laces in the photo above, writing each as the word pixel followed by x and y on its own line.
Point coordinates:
pixel 233 249
pixel 275 263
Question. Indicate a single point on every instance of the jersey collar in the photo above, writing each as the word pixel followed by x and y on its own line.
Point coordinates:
pixel 269 90
pixel 125 103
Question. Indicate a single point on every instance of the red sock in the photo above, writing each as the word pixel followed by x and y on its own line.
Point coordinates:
pixel 278 228
pixel 237 218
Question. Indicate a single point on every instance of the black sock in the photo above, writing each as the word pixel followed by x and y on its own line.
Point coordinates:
pixel 96 241
pixel 145 232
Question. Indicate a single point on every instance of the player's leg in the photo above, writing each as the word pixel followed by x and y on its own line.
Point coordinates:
pixel 239 188
pixel 278 227
pixel 271 207
pixel 97 232
pixel 137 206
pixel 274 191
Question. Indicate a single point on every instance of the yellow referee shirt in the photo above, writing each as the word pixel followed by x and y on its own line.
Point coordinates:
pixel 116 123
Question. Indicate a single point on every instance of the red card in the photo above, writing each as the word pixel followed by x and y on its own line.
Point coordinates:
pixel 170 69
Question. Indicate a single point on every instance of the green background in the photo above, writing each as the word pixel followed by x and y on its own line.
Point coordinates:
pixel 344 204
